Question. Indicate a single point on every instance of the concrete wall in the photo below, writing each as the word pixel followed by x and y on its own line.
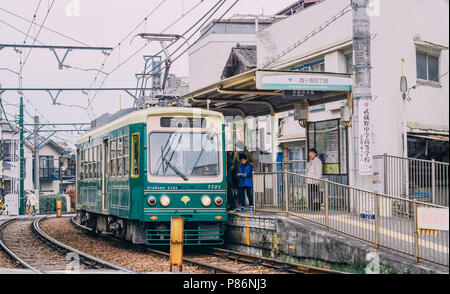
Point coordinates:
pixel 278 237
pixel 279 36
pixel 208 57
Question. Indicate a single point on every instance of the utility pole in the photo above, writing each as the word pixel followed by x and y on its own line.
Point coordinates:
pixel 2 188
pixel 37 184
pixel 362 94
pixel 22 202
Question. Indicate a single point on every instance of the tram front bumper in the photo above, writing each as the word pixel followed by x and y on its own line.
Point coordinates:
pixel 197 215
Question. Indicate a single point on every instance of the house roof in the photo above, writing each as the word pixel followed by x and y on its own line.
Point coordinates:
pixel 241 59
pixel 297 6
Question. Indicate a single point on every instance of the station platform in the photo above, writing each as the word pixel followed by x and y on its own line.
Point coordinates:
pixel 278 236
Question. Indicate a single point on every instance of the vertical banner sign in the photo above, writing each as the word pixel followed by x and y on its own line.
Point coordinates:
pixel 365 139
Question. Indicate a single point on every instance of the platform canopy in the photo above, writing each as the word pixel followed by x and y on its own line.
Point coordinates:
pixel 262 92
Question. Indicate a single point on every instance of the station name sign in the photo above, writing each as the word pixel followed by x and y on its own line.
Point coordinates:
pixel 302 81
pixel 432 218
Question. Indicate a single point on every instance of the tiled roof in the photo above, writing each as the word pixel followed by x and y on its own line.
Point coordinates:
pixel 242 59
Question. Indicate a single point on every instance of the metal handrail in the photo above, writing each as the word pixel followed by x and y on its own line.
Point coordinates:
pixel 385 220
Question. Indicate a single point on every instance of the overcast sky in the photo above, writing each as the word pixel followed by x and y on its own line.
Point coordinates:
pixel 95 23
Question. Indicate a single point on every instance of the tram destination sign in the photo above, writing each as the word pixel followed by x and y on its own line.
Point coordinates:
pixel 303 81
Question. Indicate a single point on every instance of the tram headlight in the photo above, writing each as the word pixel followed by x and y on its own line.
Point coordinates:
pixel 218 201
pixel 151 201
pixel 206 201
pixel 164 201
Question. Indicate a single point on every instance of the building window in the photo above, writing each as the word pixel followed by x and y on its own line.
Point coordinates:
pixel 318 66
pixel 427 66
pixel 9 148
pixel 349 63
pixel 329 138
pixel 46 166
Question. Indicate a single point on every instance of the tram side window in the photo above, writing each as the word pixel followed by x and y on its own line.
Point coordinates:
pixel 91 153
pixel 86 167
pixel 119 157
pixel 94 162
pixel 126 153
pixel 99 161
pixel 112 158
pixel 80 165
pixel 135 155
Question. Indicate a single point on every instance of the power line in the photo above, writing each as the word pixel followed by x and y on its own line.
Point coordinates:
pixel 196 41
pixel 134 54
pixel 20 31
pixel 32 22
pixel 37 35
pixel 118 45
pixel 310 35
pixel 44 27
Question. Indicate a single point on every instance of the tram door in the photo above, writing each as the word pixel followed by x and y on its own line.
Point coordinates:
pixel 104 168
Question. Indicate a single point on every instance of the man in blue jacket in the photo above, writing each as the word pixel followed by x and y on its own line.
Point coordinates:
pixel 245 185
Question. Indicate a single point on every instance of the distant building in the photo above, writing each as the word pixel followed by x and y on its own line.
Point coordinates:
pixel 56 167
pixel 10 168
pixel 56 164
pixel 208 57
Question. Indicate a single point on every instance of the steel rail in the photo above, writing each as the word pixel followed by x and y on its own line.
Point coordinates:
pixel 242 257
pixel 273 263
pixel 86 256
pixel 11 253
pixel 214 268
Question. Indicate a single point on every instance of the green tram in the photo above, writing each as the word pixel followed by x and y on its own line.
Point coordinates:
pixel 137 171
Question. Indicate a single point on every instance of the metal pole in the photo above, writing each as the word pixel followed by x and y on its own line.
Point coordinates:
pixel 285 192
pixel 326 205
pixel 433 181
pixel 416 234
pixel 37 183
pixel 385 174
pixel 60 165
pixel 2 190
pixel 377 221
pixel 21 182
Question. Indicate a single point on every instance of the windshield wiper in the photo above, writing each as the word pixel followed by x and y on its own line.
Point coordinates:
pixel 176 170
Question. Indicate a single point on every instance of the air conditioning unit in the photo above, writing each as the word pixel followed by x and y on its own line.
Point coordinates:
pixel 301 110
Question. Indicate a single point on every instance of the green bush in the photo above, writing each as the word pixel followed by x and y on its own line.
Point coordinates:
pixel 47 203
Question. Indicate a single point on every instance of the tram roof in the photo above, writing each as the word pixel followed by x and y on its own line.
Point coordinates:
pixel 140 116
pixel 261 92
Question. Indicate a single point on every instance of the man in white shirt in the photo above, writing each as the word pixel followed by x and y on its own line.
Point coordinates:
pixel 313 170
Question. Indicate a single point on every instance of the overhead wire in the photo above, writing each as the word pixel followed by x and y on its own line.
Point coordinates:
pixel 118 45
pixel 32 22
pixel 37 35
pixel 145 45
pixel 196 41
pixel 317 30
pixel 45 28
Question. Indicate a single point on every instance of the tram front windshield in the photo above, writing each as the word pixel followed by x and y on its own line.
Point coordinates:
pixel 183 154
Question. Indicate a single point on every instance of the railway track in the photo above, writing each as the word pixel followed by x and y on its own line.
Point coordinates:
pixel 24 242
pixel 218 260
